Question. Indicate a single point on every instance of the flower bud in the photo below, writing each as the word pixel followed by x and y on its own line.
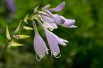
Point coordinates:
pixel 21 36
pixel 27 28
pixel 7 33
pixel 25 19
pixel 12 43
pixel 36 9
pixel 18 27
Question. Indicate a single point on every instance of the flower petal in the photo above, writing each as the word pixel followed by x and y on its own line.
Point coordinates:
pixel 59 40
pixel 68 23
pixel 57 19
pixel 58 8
pixel 49 22
pixel 52 43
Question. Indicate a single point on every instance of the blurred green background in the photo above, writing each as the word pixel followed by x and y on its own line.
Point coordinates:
pixel 85 47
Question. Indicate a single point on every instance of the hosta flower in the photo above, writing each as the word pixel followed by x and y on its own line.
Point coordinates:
pixel 60 20
pixel 53 41
pixel 49 22
pixel 39 45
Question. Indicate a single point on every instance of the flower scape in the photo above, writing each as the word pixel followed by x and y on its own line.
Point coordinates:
pixel 48 22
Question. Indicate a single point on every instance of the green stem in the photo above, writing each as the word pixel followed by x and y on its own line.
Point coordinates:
pixel 3 51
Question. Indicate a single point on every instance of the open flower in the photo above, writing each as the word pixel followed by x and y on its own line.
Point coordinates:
pixel 53 41
pixel 60 20
pixel 39 44
pixel 49 22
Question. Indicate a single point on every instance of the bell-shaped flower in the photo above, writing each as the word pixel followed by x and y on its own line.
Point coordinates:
pixel 58 8
pixel 49 22
pixel 60 20
pixel 53 41
pixel 39 44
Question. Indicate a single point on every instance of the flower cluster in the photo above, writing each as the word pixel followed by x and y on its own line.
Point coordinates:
pixel 48 22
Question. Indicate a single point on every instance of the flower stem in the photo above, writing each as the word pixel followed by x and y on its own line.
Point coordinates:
pixel 3 51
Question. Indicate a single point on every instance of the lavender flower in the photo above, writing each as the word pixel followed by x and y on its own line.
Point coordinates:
pixel 53 41
pixel 49 22
pixel 60 20
pixel 39 44
pixel 10 5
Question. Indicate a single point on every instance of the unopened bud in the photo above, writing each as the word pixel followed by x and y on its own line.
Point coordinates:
pixel 21 36
pixel 27 28
pixel 25 19
pixel 18 27
pixel 7 33
pixel 36 9
pixel 12 43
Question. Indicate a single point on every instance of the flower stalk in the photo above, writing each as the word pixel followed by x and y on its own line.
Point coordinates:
pixel 3 51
